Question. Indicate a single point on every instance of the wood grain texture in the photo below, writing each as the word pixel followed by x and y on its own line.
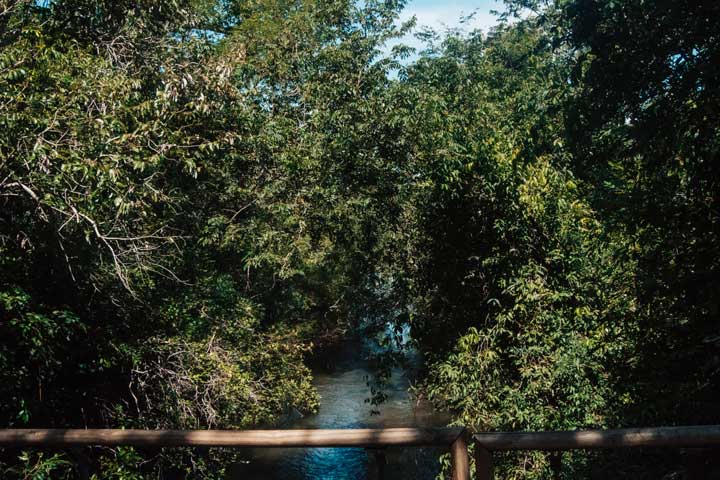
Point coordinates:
pixel 695 436
pixel 483 463
pixel 459 457
pixel 380 437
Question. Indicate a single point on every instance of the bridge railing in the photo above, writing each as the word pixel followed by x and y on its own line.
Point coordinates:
pixel 456 439
pixel 677 437
pixel 372 438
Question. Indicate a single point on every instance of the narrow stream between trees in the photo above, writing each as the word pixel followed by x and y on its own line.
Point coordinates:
pixel 343 404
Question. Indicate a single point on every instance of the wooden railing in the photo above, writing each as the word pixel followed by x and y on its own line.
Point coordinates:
pixel 678 437
pixel 372 438
pixel 456 439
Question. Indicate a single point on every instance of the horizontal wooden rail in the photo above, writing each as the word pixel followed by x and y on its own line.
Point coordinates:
pixel 455 438
pixel 369 437
pixel 696 436
pixel 679 437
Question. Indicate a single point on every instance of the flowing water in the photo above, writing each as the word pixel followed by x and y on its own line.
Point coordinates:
pixel 344 404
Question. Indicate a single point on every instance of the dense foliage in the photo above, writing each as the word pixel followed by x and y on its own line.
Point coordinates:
pixel 179 221
pixel 562 270
pixel 196 194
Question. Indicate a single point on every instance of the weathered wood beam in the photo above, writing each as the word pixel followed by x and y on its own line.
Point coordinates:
pixel 371 437
pixel 695 436
pixel 459 458
pixel 483 463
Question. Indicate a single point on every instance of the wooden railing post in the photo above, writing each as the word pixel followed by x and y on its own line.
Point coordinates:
pixel 483 463
pixel 460 460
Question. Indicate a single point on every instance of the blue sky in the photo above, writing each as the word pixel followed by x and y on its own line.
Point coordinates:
pixel 447 13
pixel 442 15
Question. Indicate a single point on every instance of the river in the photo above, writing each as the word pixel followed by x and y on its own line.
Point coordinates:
pixel 344 392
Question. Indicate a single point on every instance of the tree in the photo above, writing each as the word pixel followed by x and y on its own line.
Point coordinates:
pixel 177 228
